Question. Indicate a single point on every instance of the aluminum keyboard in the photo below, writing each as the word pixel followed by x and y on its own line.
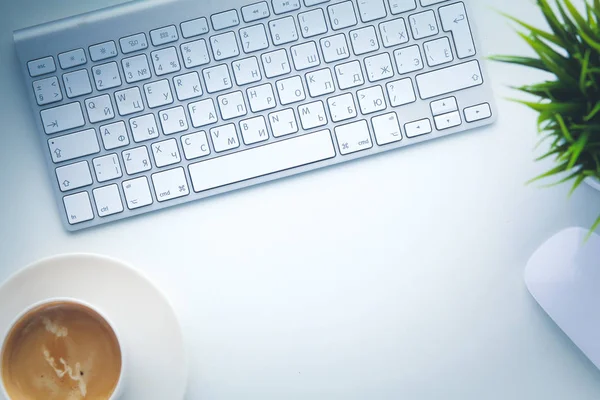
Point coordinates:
pixel 152 104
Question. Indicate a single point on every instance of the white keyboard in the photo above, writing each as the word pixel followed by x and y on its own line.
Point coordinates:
pixel 152 104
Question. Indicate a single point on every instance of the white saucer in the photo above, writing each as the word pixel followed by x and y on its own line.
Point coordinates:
pixel 157 365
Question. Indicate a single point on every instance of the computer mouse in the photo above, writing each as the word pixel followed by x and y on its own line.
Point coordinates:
pixel 563 276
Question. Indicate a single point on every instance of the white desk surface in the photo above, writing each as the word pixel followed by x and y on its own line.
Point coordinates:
pixel 400 279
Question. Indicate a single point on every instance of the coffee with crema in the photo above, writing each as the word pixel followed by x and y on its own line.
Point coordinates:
pixel 61 351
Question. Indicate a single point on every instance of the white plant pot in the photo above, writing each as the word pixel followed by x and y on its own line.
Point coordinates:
pixel 595 183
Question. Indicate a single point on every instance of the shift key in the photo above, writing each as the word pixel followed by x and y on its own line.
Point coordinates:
pixel 75 145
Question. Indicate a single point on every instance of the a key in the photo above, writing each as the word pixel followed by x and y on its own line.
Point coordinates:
pixel 401 92
pixel 283 30
pixel 187 86
pixel 353 137
pixel 335 48
pixel 423 25
pixel 158 93
pixel 195 27
pixel 129 101
pixel 137 193
pixel 312 23
pixel 195 145
pixel 217 78
pixel 371 100
pixel 393 32
pixel 400 6
pixel 342 15
pixel 114 135
pixel 417 128
pixel 74 176
pixel 379 67
pixel 78 208
pixel 62 118
pixel 108 200
pixel 166 34
pixel 77 83
pixel 136 68
pixel 255 12
pixel 408 59
pixel 254 130
pixel 478 112
pixel 284 6
pixel 224 20
pixel 224 46
pixel 246 71
pixel 276 63
pixel 136 160
pixel 447 121
pixel 103 51
pixel 165 61
pixel 341 107
pixel 170 184
pixel 47 91
pixel 454 19
pixel 386 129
pixel 305 56
pixel 224 138
pixel 41 66
pixel 254 38
pixel 349 75
pixel 106 76
pixel 195 53
pixel 320 82
pixel 371 10
pixel 232 105
pixel 312 115
pixel 99 108
pixel 364 40
pixel 143 128
pixel 166 153
pixel 290 90
pixel 438 52
pixel 173 120
pixel 283 122
pixel 132 43
pixel 261 98
pixel 444 106
pixel 450 79
pixel 107 168
pixel 74 145
pixel 203 113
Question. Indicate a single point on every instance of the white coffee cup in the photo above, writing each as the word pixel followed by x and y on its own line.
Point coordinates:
pixel 119 389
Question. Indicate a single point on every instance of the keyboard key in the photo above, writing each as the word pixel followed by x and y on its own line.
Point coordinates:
pixel 305 56
pixel 379 67
pixel 386 129
pixel 232 105
pixel 342 15
pixel 158 93
pixel 41 66
pixel 401 92
pixel 290 90
pixel 99 108
pixel 114 135
pixel 447 121
pixel 136 68
pixel 137 193
pixel 254 130
pixel 354 137
pixel 47 91
pixel 418 128
pixel 371 100
pixel 224 138
pixel 225 20
pixel 312 23
pixel 166 153
pixel 371 10
pixel 349 75
pixel 73 58
pixel 320 82
pixel 107 168
pixel 254 38
pixel 283 123
pixel 103 51
pixel 426 3
pixel 364 40
pixel 260 161
pixel 284 6
pixel 217 78
pixel 335 48
pixel 283 30
pixel 164 35
pixel 454 19
pixel 173 120
pixel 136 160
pixel 312 115
pixel 438 52
pixel 195 54
pixel 478 113
pixel 195 27
pixel 310 3
pixel 448 80
pixel 170 184
pixel 393 32
pixel 400 6
pixel 77 83
pixel 75 145
pixel 276 63
pixel 246 71
pixel 408 59
pixel 423 25
pixel 187 86
pixel 255 12
pixel 74 176
pixel 261 97
pixel 78 208
pixel 143 128
pixel 203 113
pixel 129 101
pixel 62 118
pixel 342 107
pixel 195 145
pixel 106 76
pixel 165 61
pixel 224 46
pixel 108 200
pixel 444 106
pixel 132 43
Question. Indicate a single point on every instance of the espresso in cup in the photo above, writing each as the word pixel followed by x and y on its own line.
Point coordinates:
pixel 61 350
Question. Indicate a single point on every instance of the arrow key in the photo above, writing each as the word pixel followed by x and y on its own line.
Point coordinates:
pixel 418 128
pixel 447 121
pixel 444 106
pixel 478 112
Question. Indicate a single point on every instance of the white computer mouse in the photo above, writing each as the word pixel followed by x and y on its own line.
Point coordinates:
pixel 563 275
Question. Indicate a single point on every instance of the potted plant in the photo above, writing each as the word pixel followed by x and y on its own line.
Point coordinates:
pixel 569 103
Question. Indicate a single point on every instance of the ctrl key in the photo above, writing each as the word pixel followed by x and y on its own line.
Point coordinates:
pixel 108 200
pixel 78 208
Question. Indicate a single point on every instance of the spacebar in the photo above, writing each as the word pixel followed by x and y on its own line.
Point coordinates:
pixel 262 160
